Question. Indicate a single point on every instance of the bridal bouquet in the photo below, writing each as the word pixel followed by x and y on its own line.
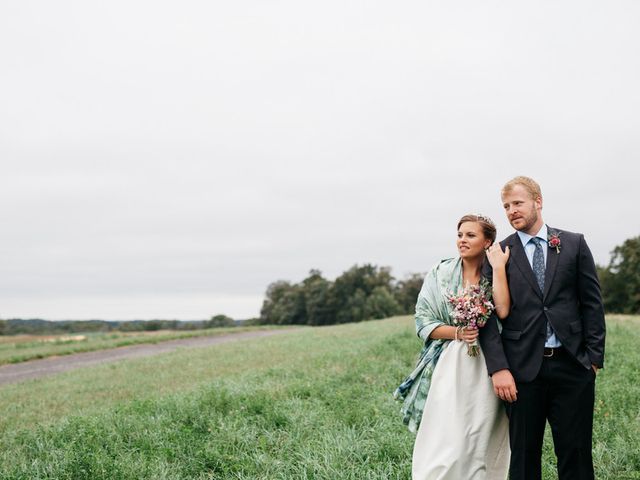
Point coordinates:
pixel 472 308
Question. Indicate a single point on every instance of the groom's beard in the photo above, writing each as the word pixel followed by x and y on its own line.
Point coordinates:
pixel 526 222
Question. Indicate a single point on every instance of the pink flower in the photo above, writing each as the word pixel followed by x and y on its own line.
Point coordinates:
pixel 471 307
pixel 553 240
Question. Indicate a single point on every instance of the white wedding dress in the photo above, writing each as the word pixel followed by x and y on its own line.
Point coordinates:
pixel 464 432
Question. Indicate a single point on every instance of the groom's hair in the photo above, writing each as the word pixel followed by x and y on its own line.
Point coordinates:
pixel 529 184
pixel 487 225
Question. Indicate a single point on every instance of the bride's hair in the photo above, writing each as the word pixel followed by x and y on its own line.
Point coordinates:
pixel 487 225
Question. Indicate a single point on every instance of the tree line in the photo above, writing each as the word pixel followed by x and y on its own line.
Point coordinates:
pixel 37 326
pixel 620 280
pixel 361 293
pixel 370 292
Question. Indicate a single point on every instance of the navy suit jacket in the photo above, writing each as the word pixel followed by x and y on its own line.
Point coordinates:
pixel 571 302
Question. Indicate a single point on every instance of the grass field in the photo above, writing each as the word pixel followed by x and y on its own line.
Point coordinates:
pixel 20 348
pixel 314 404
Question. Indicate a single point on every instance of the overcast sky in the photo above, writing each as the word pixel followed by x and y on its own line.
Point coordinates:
pixel 171 159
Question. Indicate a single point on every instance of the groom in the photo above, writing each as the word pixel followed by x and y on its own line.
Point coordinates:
pixel 543 363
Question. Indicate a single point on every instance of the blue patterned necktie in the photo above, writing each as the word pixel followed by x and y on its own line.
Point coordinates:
pixel 538 263
pixel 538 271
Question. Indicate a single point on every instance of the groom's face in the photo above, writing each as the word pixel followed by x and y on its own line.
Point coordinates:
pixel 522 210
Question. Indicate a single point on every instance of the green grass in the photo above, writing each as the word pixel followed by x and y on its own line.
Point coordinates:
pixel 314 404
pixel 20 348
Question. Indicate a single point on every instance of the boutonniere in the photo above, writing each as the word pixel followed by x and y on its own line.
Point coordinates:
pixel 553 239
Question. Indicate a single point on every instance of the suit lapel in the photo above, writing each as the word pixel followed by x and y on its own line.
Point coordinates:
pixel 552 263
pixel 520 259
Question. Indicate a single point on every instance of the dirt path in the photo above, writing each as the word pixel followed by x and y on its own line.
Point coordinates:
pixel 49 366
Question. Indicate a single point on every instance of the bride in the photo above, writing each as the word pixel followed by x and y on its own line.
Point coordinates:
pixel 462 428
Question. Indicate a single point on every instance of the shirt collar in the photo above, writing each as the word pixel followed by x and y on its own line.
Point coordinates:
pixel 542 235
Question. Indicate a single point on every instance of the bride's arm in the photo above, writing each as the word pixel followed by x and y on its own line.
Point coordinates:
pixel 446 332
pixel 443 332
pixel 498 260
pixel 501 298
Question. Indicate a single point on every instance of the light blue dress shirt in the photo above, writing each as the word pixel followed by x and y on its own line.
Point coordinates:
pixel 529 249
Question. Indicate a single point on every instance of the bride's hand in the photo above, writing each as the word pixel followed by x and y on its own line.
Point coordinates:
pixel 468 334
pixel 497 258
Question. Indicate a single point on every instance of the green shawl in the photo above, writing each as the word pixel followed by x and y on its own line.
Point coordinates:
pixel 432 310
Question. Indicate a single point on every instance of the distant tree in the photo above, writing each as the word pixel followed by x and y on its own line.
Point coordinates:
pixel 361 293
pixel 3 327
pixel 190 325
pixel 381 304
pixel 351 289
pixel 406 291
pixel 613 295
pixel 171 324
pixel 220 321
pixel 353 309
pixel 316 299
pixel 252 321
pixel 284 304
pixel 128 327
pixel 67 327
pixel 153 325
pixel 620 281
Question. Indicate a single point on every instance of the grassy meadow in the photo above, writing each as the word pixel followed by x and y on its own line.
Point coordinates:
pixel 20 348
pixel 314 404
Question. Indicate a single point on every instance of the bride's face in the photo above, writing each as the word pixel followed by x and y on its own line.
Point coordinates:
pixel 471 240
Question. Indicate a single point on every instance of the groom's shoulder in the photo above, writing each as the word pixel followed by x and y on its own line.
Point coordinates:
pixel 551 231
pixel 509 240
pixel 562 234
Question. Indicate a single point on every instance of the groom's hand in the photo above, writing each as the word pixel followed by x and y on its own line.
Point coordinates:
pixel 504 385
